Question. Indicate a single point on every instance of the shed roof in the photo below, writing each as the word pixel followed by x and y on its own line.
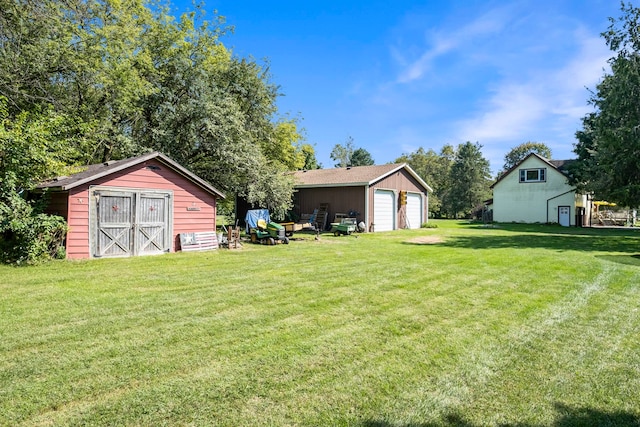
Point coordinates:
pixel 352 176
pixel 96 171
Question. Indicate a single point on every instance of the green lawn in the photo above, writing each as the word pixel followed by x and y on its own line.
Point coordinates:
pixel 461 325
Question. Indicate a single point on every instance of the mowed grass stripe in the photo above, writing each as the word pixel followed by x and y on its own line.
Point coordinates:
pixel 341 331
pixel 553 375
pixel 488 356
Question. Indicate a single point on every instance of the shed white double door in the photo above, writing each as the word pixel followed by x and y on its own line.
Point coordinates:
pixel 130 223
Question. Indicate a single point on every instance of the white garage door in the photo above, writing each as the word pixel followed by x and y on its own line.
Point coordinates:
pixel 414 210
pixel 384 210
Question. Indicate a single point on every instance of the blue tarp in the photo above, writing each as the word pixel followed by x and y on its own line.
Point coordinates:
pixel 252 217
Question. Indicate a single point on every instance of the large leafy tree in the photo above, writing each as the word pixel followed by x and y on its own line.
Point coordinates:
pixel 285 146
pixel 87 59
pixel 33 146
pixel 469 180
pixel 608 144
pixel 127 77
pixel 518 153
pixel 35 49
pixel 310 160
pixel 342 153
pixel 200 115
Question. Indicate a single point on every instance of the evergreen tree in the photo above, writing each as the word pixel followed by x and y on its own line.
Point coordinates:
pixel 469 177
pixel 608 144
pixel 361 157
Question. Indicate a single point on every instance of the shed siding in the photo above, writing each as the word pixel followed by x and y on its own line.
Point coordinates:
pixel 400 180
pixel 186 195
pixel 78 221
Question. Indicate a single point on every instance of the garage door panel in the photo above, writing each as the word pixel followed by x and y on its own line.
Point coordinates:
pixel 414 210
pixel 384 210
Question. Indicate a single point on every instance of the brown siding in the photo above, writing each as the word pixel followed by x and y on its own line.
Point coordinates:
pixel 340 199
pixel 185 195
pixel 400 180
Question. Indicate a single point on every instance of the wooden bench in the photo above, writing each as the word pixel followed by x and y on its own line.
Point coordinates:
pixel 199 241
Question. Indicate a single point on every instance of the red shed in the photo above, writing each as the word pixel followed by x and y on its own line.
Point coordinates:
pixel 130 207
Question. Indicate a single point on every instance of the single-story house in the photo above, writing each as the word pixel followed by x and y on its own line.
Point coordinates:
pixel 537 190
pixel 384 197
pixel 130 207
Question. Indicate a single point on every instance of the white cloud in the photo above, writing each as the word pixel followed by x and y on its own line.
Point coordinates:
pixel 583 71
pixel 544 104
pixel 510 112
pixel 446 40
pixel 419 67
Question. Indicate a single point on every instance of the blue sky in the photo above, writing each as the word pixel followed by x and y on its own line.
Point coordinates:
pixel 399 75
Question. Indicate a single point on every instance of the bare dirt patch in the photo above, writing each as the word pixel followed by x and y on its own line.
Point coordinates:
pixel 426 240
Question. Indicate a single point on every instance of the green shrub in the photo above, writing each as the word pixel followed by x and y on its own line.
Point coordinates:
pixel 27 235
pixel 429 225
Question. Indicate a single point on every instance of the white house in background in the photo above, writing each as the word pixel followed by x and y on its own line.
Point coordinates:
pixel 537 190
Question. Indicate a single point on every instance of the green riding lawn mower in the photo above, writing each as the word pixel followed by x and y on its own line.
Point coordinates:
pixel 262 230
pixel 268 233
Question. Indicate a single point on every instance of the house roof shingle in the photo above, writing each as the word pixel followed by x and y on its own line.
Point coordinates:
pixel 562 165
pixel 96 171
pixel 351 176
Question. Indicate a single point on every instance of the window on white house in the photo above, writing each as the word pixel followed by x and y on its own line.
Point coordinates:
pixel 533 175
